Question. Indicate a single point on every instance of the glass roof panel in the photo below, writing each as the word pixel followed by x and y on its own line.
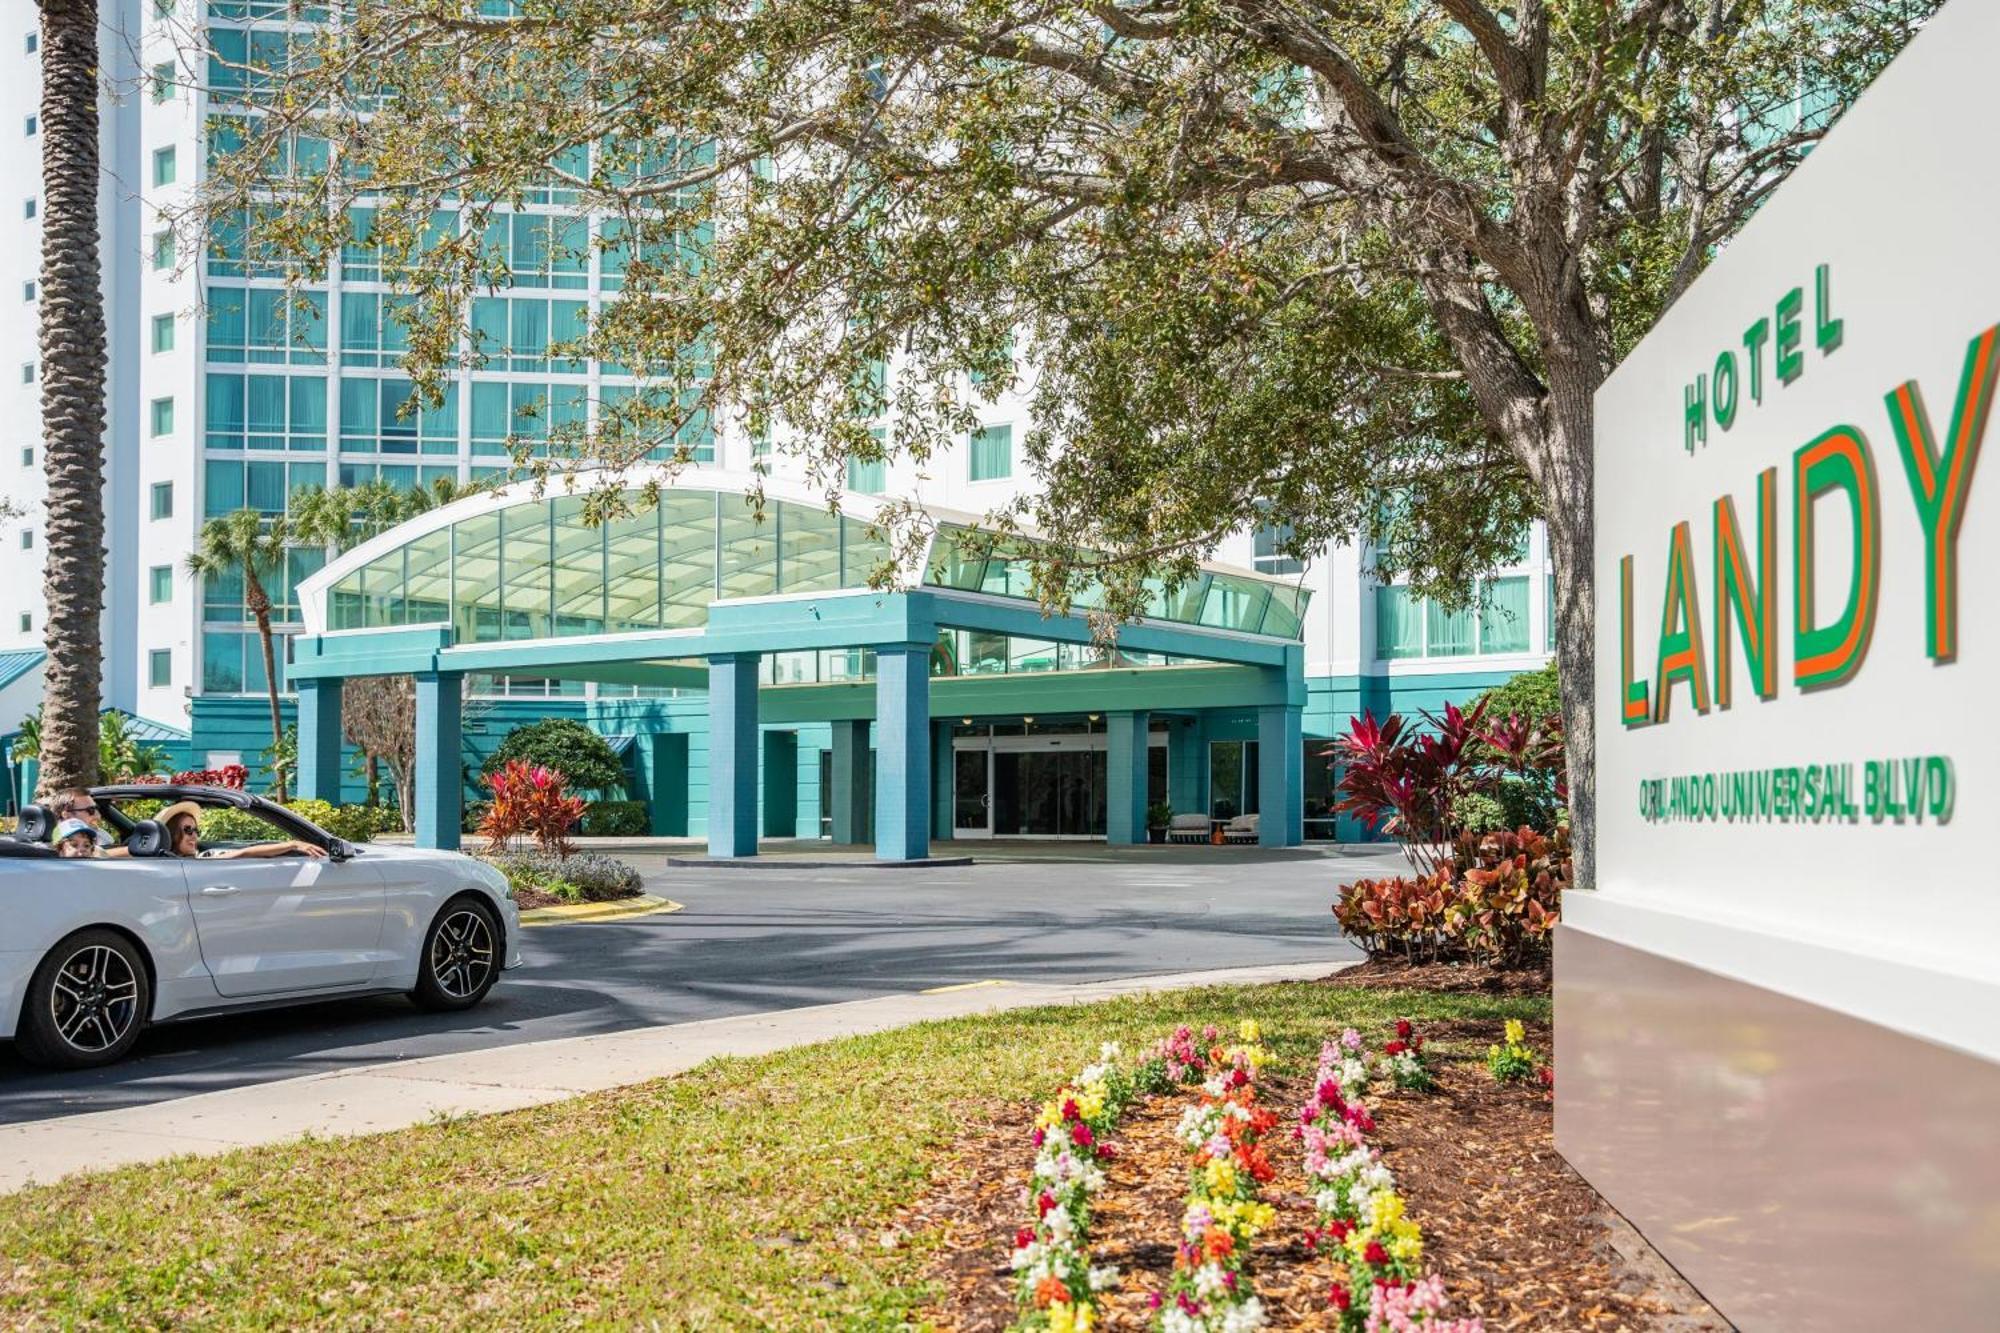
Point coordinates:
pixel 748 560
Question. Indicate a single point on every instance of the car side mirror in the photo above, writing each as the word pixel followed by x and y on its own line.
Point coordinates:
pixel 339 849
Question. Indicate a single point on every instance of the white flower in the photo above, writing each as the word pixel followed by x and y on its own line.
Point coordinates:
pixel 1104 1277
pixel 1245 1317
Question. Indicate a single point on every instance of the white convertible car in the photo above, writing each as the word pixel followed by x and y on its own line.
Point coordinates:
pixel 93 950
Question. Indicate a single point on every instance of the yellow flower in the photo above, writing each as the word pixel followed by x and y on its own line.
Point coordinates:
pixel 1250 1031
pixel 1067 1318
pixel 1221 1175
pixel 1516 1034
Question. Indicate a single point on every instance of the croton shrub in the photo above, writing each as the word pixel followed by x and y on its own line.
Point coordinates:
pixel 1494 899
pixel 530 801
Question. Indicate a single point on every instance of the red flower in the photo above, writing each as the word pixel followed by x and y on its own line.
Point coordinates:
pixel 1403 1029
pixel 1069 1109
pixel 1044 1204
pixel 1039 1136
pixel 1237 1078
pixel 1394 1048
pixel 1107 1153
pixel 1340 1298
pixel 1375 1254
pixel 1081 1136
pixel 1339 1228
pixel 1023 1238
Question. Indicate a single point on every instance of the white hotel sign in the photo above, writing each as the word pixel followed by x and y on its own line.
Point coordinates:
pixel 1798 646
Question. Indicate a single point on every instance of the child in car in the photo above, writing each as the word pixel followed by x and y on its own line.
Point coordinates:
pixel 74 839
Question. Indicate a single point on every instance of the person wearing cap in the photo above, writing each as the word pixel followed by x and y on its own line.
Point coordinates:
pixel 76 839
pixel 182 821
pixel 78 806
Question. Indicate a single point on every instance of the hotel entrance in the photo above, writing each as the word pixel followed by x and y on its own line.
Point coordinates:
pixel 1028 780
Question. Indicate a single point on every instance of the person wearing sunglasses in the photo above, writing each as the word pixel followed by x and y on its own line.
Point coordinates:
pixel 182 821
pixel 78 804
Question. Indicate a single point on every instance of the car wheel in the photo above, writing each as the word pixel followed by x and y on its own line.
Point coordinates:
pixel 461 956
pixel 86 1002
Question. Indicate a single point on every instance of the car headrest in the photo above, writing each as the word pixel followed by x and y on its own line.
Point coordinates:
pixel 147 838
pixel 34 824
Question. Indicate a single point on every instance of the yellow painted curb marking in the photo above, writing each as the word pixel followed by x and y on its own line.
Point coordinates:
pixel 561 913
pixel 963 985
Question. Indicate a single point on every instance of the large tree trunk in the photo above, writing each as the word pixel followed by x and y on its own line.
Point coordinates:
pixel 72 378
pixel 1570 523
pixel 260 606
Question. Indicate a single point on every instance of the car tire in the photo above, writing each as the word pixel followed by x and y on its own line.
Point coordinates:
pixel 86 1002
pixel 461 958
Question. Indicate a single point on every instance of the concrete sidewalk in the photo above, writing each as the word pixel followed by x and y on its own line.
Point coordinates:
pixel 376 1098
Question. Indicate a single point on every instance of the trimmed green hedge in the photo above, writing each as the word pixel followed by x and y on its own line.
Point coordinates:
pixel 615 819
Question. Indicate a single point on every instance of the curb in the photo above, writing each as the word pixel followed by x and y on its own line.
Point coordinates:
pixel 619 909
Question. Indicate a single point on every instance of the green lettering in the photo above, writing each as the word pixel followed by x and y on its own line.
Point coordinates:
pixel 1788 360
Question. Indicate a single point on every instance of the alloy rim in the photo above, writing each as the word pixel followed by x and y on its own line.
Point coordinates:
pixel 462 954
pixel 95 999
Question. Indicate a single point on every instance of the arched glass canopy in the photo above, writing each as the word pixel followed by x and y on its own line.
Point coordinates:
pixel 533 568
pixel 537 570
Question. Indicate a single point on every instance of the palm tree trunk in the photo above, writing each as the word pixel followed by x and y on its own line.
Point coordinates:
pixel 260 607
pixel 72 378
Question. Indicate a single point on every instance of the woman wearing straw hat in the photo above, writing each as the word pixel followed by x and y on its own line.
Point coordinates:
pixel 182 821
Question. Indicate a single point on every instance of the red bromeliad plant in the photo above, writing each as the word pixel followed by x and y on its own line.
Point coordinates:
pixel 1405 782
pixel 528 799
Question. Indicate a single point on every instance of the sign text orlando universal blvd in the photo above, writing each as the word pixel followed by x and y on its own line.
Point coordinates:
pixel 1720 598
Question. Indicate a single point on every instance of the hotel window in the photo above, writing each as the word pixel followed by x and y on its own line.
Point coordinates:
pixel 29 126
pixel 163 333
pixel 266 413
pixel 27 539
pixel 34 40
pixel 163 167
pixel 1503 615
pixel 28 208
pixel 161 579
pixel 516 334
pixel 162 414
pixel 868 476
pixel 163 499
pixel 27 372
pixel 27 622
pixel 160 668
pixel 1549 615
pixel 163 249
pixel 541 250
pixel 28 457
pixel 1268 550
pixel 527 416
pixel 387 416
pixel 229 484
pixel 27 291
pixel 992 453
pixel 163 81
pixel 267 326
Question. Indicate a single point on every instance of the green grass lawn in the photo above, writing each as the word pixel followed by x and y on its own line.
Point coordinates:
pixel 747 1192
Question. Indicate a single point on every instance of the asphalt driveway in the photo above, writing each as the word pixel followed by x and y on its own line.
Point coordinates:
pixel 754 940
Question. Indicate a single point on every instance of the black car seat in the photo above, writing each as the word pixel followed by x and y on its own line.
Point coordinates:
pixel 147 838
pixel 34 825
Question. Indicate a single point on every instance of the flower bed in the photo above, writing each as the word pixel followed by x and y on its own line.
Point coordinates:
pixel 1211 1290
pixel 1057 1285
pixel 1361 1223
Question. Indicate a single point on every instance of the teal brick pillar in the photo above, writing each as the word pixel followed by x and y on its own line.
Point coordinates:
pixel 1281 792
pixel 1125 754
pixel 903 751
pixel 847 802
pixel 319 740
pixel 732 754
pixel 1187 765
pixel 942 774
pixel 781 784
pixel 440 781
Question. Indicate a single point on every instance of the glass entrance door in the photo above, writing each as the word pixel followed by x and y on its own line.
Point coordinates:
pixel 972 793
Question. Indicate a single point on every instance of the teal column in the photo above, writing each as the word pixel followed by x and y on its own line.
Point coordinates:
pixel 1125 805
pixel 732 754
pixel 1281 790
pixel 941 781
pixel 440 779
pixel 903 751
pixel 847 803
pixel 319 740
pixel 781 784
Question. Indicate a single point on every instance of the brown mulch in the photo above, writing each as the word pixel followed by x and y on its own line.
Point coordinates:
pixel 1458 978
pixel 1521 1240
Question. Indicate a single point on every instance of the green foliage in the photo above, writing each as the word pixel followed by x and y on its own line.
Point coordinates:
pixel 1533 694
pixel 1159 815
pixel 352 823
pixel 227 825
pixel 1511 803
pixel 584 758
pixel 1513 1060
pixel 615 819
pixel 1496 899
pixel 592 878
